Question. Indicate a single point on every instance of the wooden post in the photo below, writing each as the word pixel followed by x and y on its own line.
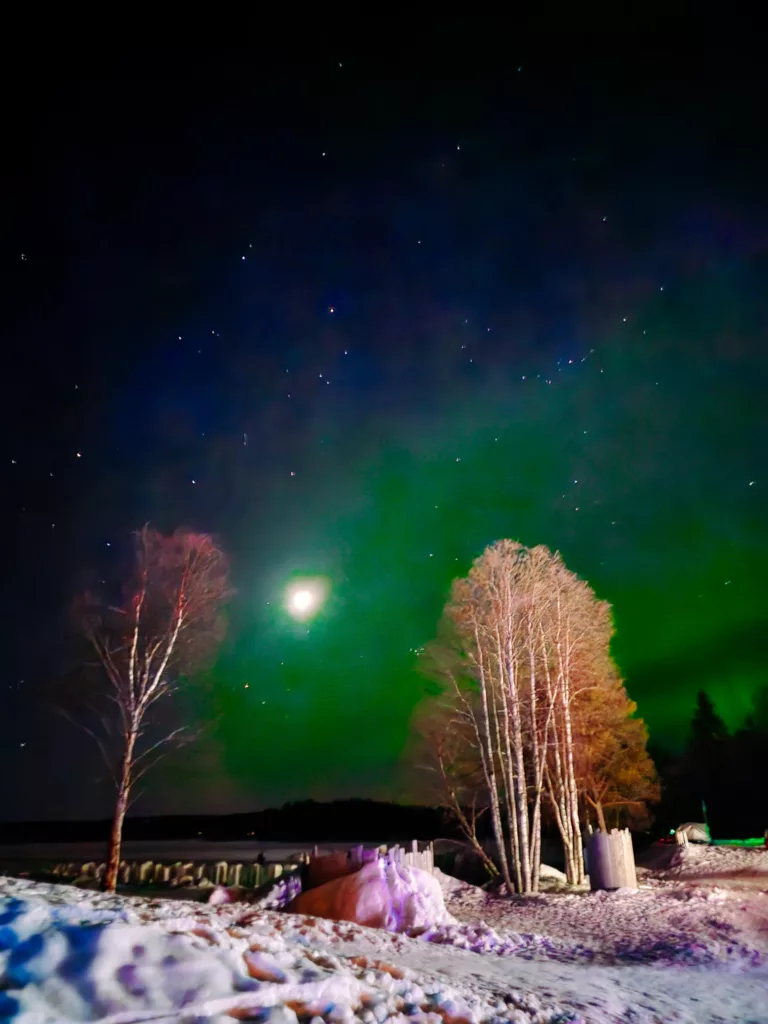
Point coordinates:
pixel 611 860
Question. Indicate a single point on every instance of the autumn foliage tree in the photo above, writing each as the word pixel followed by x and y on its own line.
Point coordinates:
pixel 616 776
pixel 523 662
pixel 167 622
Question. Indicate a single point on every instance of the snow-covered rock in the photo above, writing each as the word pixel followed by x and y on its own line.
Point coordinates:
pixel 382 894
pixel 545 871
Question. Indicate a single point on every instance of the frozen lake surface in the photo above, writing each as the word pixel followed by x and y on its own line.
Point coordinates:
pixel 167 850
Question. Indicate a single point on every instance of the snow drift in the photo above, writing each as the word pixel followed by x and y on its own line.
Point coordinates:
pixel 381 894
pixel 592 958
pixel 123 960
pixel 699 862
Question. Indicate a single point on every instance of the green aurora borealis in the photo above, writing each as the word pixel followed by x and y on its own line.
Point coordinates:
pixel 665 438
pixel 358 318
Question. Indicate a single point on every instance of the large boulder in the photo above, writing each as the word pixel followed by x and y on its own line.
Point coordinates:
pixel 380 895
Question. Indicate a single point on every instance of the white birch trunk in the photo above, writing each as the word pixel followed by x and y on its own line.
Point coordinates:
pixel 493 789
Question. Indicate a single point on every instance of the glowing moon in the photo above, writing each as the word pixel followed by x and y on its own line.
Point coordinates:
pixel 302 600
pixel 304 597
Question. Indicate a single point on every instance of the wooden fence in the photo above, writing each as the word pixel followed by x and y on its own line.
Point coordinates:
pixel 202 874
pixel 194 875
pixel 415 858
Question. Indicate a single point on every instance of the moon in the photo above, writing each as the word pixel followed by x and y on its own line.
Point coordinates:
pixel 302 601
pixel 304 597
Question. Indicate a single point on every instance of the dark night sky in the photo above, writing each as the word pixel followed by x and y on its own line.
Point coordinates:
pixel 361 315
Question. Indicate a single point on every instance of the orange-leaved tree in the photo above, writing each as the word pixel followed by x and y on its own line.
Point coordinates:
pixel 167 622
pixel 615 774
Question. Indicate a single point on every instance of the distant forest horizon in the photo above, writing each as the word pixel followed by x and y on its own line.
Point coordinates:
pixel 306 821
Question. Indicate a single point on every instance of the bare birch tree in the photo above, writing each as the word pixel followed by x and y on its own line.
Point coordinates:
pixel 447 752
pixel 493 614
pixel 168 620
pixel 534 641
pixel 578 636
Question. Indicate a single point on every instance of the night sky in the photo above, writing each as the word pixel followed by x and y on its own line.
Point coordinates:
pixel 360 316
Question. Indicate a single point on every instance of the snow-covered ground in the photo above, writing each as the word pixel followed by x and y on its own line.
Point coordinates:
pixel 696 862
pixel 671 951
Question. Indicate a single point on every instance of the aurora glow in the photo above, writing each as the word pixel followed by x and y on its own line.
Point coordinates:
pixel 531 308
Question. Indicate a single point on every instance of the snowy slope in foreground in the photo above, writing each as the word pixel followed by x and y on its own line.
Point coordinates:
pixel 72 955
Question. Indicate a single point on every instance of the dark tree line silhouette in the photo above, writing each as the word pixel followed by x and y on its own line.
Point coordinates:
pixel 719 776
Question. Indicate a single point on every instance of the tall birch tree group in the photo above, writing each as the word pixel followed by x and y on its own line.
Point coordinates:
pixel 528 693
